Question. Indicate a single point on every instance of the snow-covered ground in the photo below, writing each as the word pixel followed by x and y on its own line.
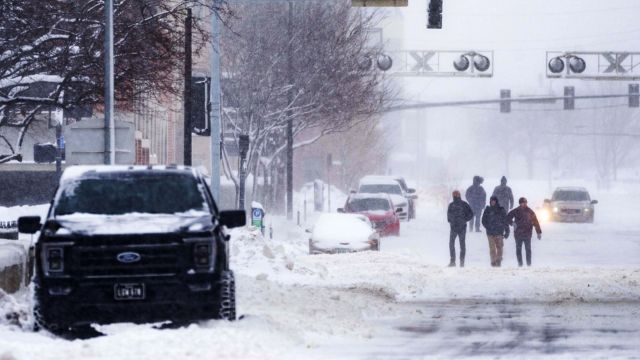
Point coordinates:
pixel 401 302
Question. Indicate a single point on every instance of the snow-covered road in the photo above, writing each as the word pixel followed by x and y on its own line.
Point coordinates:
pixel 580 299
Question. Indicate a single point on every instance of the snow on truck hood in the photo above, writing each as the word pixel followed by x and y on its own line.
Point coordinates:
pixel 134 223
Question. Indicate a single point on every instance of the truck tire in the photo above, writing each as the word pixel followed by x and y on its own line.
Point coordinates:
pixel 227 299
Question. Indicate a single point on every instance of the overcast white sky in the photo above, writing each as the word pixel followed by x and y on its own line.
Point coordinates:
pixel 520 32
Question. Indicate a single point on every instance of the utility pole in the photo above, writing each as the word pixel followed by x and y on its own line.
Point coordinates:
pixel 187 88
pixel 215 103
pixel 290 117
pixel 109 121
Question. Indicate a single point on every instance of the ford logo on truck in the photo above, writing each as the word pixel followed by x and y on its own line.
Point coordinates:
pixel 128 257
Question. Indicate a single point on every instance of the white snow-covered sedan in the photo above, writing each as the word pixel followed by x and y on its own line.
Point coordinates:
pixel 343 233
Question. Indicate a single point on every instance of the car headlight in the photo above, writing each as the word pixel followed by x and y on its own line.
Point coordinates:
pixel 555 209
pixel 587 210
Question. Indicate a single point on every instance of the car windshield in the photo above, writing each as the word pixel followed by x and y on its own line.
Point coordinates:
pixel 381 188
pixel 565 195
pixel 116 195
pixel 370 204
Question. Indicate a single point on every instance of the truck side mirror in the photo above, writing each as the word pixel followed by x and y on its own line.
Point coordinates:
pixel 29 224
pixel 411 191
pixel 341 210
pixel 594 202
pixel 233 218
pixel 398 210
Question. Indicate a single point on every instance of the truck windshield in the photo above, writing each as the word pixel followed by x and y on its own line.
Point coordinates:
pixel 117 194
pixel 570 196
pixel 381 188
pixel 372 204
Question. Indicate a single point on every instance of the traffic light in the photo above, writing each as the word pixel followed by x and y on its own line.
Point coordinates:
pixel 634 95
pixel 569 99
pixel 505 106
pixel 434 14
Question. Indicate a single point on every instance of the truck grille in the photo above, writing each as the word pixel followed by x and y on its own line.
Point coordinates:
pixel 101 261
pixel 571 211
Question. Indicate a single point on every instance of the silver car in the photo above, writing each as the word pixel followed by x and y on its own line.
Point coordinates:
pixel 571 204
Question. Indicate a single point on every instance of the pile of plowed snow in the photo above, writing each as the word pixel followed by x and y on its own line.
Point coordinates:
pixel 404 277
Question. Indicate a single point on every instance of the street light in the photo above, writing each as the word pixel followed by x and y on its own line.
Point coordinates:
pixel 481 63
pixel 462 63
pixel 556 65
pixel 383 62
pixel 577 65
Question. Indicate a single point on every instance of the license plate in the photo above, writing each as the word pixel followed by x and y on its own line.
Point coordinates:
pixel 128 292
pixel 342 250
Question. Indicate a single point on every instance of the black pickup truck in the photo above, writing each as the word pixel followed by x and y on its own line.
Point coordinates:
pixel 132 244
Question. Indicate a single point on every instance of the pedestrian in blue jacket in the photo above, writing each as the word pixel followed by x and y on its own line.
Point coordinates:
pixel 477 199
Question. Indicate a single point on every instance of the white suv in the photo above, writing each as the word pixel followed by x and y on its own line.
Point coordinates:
pixel 386 185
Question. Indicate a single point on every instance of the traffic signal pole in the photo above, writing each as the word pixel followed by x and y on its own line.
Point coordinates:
pixel 215 100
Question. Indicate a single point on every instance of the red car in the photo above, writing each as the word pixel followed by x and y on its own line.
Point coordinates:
pixel 378 208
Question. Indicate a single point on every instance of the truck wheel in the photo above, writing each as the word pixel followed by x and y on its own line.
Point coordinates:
pixel 40 324
pixel 227 300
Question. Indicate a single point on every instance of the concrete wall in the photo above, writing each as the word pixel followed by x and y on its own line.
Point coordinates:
pixel 27 184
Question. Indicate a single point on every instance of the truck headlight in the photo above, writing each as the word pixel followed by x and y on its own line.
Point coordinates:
pixel 202 254
pixel 555 209
pixel 587 210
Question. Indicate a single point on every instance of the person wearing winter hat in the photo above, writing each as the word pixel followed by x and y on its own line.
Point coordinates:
pixel 504 194
pixel 458 213
pixel 525 221
pixel 477 198
pixel 494 220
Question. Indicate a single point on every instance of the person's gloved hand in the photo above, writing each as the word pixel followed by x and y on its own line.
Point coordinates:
pixel 539 236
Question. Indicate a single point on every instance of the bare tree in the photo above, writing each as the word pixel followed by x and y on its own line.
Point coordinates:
pixel 60 44
pixel 313 77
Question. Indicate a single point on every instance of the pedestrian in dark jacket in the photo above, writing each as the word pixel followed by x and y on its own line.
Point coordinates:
pixel 504 194
pixel 458 214
pixel 477 198
pixel 525 221
pixel 494 220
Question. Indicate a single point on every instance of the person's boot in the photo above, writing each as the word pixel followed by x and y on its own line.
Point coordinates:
pixel 499 264
pixel 461 262
pixel 452 263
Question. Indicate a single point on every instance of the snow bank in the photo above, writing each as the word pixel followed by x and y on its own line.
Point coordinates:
pixel 404 276
pixel 14 212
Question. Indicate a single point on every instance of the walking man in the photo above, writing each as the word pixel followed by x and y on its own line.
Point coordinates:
pixel 494 220
pixel 525 221
pixel 458 214
pixel 504 194
pixel 477 198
